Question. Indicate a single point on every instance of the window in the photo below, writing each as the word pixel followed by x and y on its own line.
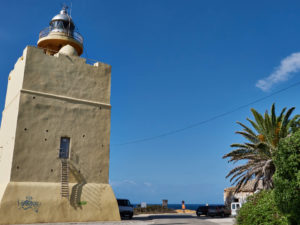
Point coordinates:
pixel 60 25
pixel 123 202
pixel 64 148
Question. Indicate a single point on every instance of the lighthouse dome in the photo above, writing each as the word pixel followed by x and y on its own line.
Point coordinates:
pixel 62 22
pixel 63 15
pixel 61 32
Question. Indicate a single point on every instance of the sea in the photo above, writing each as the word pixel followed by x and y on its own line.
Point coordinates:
pixel 178 206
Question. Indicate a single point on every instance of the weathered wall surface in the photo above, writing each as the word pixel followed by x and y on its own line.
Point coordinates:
pixel 50 97
pixel 62 97
pixel 9 122
pixel 29 202
pixel 42 121
pixel 67 76
pixel 15 80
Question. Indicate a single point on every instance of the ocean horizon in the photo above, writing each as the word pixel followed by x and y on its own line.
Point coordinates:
pixel 178 206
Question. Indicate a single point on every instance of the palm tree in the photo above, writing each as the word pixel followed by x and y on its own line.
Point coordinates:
pixel 262 143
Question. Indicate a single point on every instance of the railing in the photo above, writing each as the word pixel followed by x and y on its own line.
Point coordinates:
pixel 64 178
pixel 73 34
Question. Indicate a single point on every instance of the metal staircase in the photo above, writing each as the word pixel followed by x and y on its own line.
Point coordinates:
pixel 75 196
pixel 64 178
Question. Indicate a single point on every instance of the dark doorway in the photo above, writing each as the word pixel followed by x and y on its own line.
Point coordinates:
pixel 64 148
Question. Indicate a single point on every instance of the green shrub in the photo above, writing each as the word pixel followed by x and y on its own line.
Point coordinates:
pixel 287 177
pixel 152 209
pixel 260 209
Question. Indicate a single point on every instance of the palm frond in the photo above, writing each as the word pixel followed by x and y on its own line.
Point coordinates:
pixel 262 142
pixel 247 129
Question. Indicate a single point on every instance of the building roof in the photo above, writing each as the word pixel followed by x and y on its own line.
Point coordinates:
pixel 248 187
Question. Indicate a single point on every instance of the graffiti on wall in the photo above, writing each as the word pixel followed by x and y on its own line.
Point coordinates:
pixel 29 204
pixel 82 203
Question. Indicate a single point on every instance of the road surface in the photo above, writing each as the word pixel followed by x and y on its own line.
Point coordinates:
pixel 161 219
pixel 182 219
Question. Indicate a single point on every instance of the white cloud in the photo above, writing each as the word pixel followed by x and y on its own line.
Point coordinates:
pixel 122 183
pixel 288 66
pixel 129 183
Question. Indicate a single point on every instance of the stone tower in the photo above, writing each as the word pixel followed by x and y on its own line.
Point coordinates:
pixel 55 133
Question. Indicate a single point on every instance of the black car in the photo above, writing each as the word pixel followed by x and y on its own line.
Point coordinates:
pixel 218 210
pixel 125 208
pixel 202 210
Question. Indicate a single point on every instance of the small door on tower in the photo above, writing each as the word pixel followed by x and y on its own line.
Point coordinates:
pixel 64 148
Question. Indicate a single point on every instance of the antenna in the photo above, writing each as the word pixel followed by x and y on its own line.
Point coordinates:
pixel 64 6
pixel 71 8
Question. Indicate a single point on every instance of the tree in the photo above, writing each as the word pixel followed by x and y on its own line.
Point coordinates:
pixel 262 143
pixel 260 209
pixel 287 177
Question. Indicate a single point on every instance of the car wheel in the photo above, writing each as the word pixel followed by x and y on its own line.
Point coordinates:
pixel 126 217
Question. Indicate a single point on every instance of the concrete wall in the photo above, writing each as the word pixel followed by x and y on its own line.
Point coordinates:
pixel 50 97
pixel 230 196
pixel 62 96
pixel 68 76
pixel 42 204
pixel 9 122
pixel 42 121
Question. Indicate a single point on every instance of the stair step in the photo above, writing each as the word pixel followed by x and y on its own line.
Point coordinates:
pixel 64 179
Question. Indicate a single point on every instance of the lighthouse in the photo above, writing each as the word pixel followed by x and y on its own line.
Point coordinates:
pixel 55 133
pixel 61 32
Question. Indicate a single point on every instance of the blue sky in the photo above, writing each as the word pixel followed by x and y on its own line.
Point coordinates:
pixel 174 63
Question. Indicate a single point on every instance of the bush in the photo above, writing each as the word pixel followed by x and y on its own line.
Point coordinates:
pixel 260 209
pixel 152 209
pixel 287 177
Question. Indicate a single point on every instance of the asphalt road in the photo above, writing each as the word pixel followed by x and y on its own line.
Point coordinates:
pixel 177 219
pixel 161 219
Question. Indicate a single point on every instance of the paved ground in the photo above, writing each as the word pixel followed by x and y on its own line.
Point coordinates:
pixel 176 219
pixel 182 219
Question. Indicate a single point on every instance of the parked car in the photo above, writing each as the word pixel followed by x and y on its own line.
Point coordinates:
pixel 125 208
pixel 202 210
pixel 218 210
pixel 235 207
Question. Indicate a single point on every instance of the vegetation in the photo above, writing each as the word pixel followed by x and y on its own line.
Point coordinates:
pixel 272 154
pixel 262 143
pixel 260 209
pixel 287 177
pixel 152 209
